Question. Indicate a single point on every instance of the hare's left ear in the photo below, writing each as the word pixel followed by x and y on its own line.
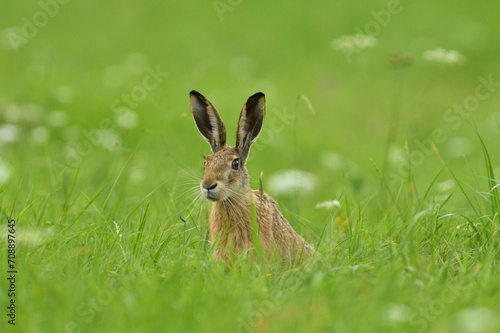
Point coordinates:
pixel 208 121
pixel 250 123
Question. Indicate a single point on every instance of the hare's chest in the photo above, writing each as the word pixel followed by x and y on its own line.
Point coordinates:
pixel 230 231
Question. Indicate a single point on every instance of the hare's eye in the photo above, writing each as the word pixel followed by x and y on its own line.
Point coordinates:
pixel 236 164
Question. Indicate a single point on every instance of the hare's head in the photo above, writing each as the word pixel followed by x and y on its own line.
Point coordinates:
pixel 226 175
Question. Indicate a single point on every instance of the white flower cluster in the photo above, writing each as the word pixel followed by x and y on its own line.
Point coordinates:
pixel 328 204
pixel 450 57
pixel 127 119
pixel 16 115
pixel 444 189
pixel 292 181
pixel 353 43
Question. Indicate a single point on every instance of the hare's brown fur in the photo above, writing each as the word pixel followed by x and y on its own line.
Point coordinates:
pixel 228 185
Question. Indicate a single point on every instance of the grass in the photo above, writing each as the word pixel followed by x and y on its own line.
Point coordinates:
pixel 111 235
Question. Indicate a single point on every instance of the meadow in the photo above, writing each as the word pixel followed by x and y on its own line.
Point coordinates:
pixel 381 145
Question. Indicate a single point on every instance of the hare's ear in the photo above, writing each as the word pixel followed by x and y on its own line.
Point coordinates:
pixel 208 121
pixel 250 123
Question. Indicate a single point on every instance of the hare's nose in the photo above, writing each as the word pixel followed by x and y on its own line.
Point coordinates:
pixel 211 187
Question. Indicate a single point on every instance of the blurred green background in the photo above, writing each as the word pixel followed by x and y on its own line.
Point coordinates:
pixel 351 104
pixel 97 52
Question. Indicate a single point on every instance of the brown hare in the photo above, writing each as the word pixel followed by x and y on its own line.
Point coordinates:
pixel 226 182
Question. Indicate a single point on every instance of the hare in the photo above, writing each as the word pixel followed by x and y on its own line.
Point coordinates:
pixel 226 182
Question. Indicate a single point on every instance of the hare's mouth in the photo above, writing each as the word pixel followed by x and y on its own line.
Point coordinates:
pixel 210 195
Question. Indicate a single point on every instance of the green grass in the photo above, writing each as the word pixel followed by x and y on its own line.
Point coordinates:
pixel 113 238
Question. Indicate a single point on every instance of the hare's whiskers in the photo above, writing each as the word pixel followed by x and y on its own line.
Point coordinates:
pixel 189 190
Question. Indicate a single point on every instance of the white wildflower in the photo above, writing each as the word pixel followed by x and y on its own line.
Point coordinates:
pixel 292 181
pixel 136 175
pixel 459 146
pixel 466 227
pixel 328 204
pixel 397 314
pixel 354 43
pixel 117 228
pixel 39 135
pixel 439 199
pixel 119 234
pixel 441 55
pixel 127 118
pixel 476 320
pixel 111 140
pixel 33 237
pixel 332 161
pixel 396 156
pixel 8 134
pixel 446 186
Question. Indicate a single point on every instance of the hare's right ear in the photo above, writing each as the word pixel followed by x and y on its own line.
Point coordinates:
pixel 250 123
pixel 208 121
